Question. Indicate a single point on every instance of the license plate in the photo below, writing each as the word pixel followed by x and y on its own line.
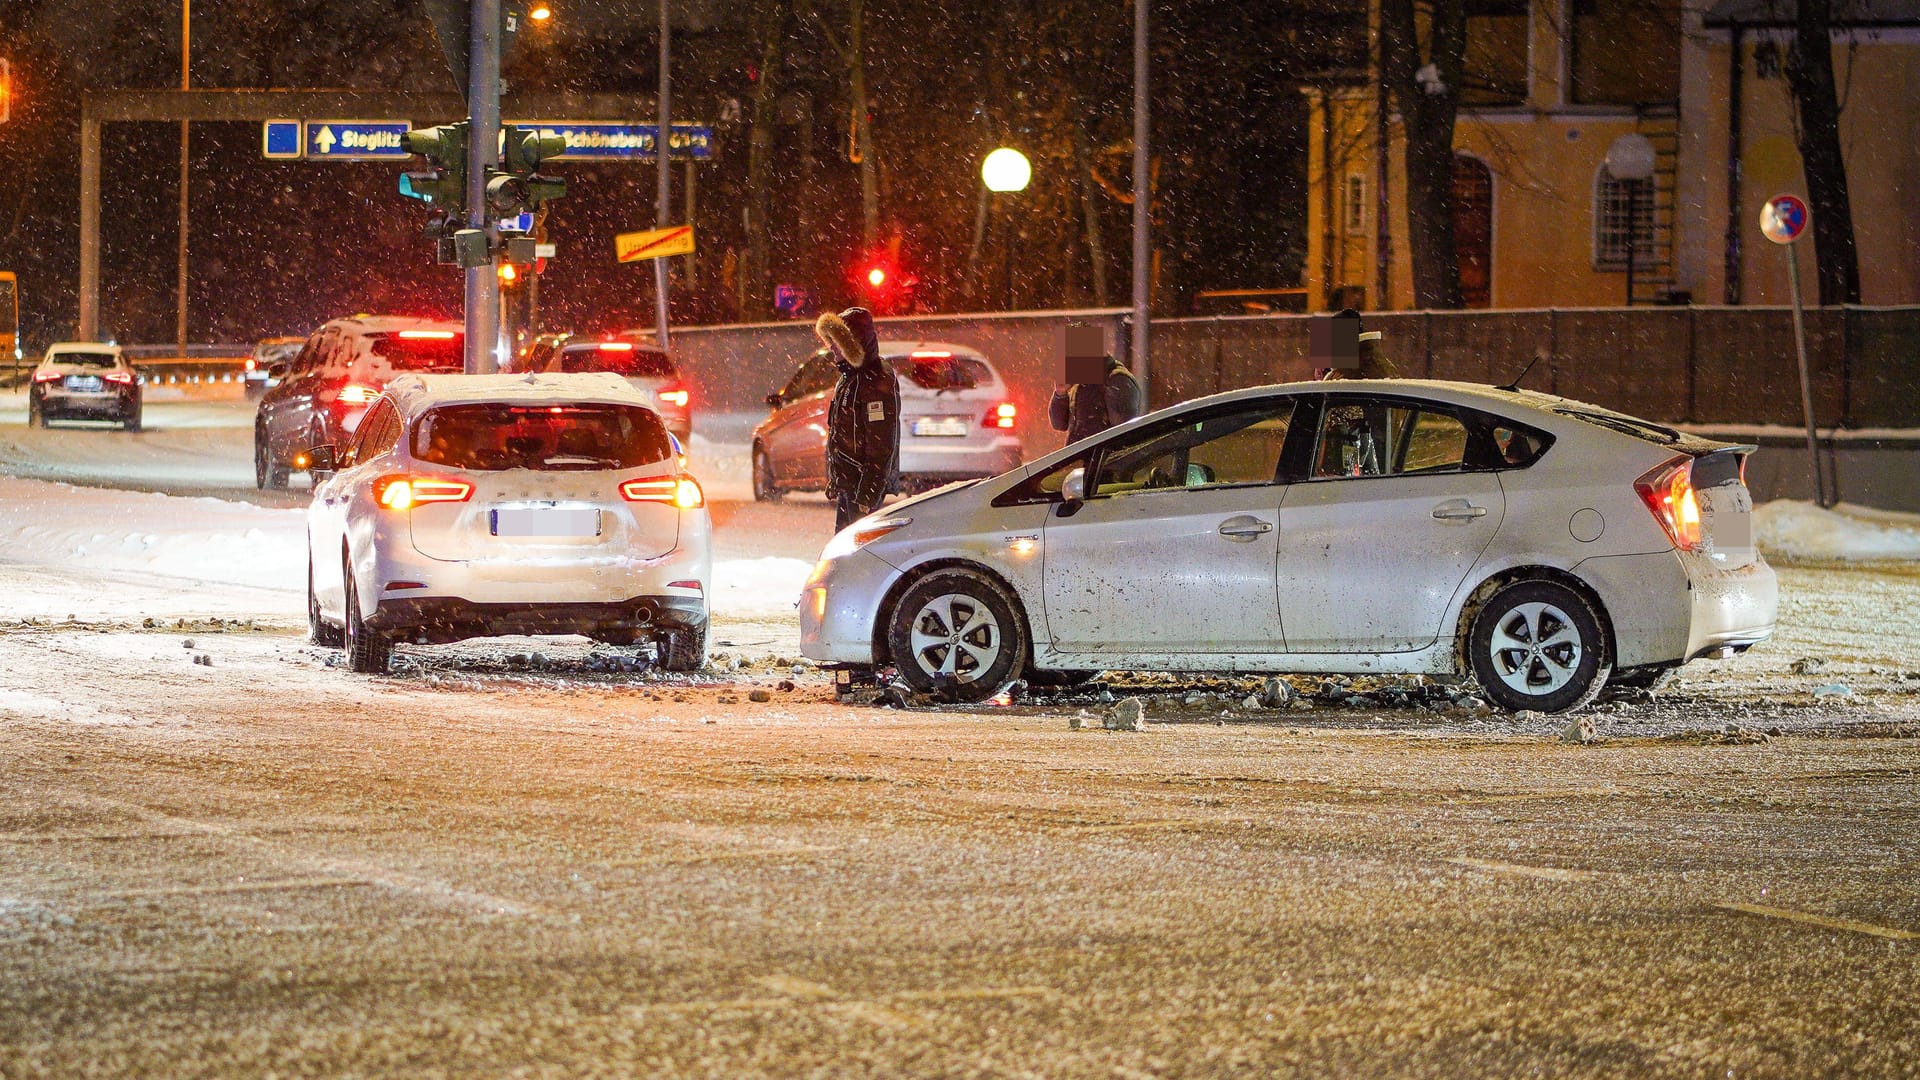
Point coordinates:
pixel 941 426
pixel 546 521
pixel 83 382
pixel 1729 517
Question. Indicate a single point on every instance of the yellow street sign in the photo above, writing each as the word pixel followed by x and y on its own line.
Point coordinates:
pixel 653 244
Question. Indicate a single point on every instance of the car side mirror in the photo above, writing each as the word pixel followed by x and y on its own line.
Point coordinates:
pixel 277 371
pixel 1074 488
pixel 320 459
pixel 776 400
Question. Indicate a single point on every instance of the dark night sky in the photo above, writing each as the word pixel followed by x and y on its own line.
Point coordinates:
pixel 280 247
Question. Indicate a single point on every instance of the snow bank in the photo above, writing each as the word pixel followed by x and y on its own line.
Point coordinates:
pixel 231 543
pixel 1800 530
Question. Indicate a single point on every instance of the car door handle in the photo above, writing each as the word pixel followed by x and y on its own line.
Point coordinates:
pixel 1242 529
pixel 1459 511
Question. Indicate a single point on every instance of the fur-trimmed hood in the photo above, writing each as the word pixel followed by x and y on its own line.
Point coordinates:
pixel 849 334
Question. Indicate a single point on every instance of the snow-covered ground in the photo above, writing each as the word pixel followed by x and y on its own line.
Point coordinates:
pixel 1796 529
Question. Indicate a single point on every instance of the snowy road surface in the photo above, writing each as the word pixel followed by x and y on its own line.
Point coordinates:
pixel 221 855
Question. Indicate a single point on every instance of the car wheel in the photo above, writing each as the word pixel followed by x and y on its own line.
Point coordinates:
pixel 39 411
pixel 1650 677
pixel 1040 677
pixel 132 423
pixel 319 630
pixel 1538 645
pixel 957 631
pixel 679 649
pixel 764 489
pixel 267 473
pixel 368 650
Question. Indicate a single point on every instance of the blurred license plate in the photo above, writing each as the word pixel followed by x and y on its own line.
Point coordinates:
pixel 546 522
pixel 942 426
pixel 83 382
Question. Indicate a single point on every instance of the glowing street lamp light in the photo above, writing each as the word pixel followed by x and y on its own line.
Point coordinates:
pixel 540 13
pixel 1006 170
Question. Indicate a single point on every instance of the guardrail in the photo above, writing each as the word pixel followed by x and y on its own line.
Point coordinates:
pixel 171 370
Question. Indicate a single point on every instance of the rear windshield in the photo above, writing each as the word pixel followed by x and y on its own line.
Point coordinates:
pixel 549 438
pixel 405 353
pixel 941 372
pixel 84 359
pixel 1624 424
pixel 273 354
pixel 628 361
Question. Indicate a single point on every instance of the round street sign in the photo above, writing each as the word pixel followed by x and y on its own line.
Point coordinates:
pixel 1783 218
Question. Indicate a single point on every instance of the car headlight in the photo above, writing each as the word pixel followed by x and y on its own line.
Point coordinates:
pixel 859 535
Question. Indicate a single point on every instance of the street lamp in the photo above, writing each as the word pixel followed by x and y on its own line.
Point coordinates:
pixel 1006 172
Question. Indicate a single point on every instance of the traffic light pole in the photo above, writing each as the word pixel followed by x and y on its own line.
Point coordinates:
pixel 483 146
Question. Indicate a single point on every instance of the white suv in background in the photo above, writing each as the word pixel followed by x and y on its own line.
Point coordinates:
pixel 957 420
pixel 480 505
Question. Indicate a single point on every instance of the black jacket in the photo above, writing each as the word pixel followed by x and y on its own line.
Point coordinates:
pixel 1084 409
pixel 863 430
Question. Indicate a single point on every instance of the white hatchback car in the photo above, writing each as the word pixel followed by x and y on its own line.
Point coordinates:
pixel 1536 544
pixel 477 505
pixel 957 420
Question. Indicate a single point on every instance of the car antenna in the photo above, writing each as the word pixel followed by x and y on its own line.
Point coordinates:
pixel 1514 386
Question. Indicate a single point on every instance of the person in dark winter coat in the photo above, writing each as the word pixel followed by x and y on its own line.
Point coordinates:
pixel 1083 409
pixel 863 424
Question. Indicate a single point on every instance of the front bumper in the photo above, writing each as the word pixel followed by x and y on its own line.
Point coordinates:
pixel 436 620
pixel 838 606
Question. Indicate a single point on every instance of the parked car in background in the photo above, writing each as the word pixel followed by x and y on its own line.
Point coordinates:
pixel 633 357
pixel 1539 545
pixel 84 380
pixel 479 505
pixel 957 420
pixel 270 351
pixel 336 376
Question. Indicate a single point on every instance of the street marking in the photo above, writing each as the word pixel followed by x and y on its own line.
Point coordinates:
pixel 980 994
pixel 1544 873
pixel 276 885
pixel 718 856
pixel 1531 796
pixel 797 987
pixel 1125 826
pixel 876 1014
pixel 1822 921
pixel 711 1004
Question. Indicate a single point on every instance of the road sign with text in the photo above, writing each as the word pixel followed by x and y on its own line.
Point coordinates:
pixel 357 140
pixel 605 140
pixel 653 244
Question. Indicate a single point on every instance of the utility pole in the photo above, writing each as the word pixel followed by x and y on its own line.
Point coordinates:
pixel 483 147
pixel 186 56
pixel 663 209
pixel 1142 197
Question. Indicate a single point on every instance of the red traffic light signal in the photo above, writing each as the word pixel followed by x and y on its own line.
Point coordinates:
pixel 6 90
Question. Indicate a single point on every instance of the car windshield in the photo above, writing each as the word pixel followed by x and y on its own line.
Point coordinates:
pixel 943 372
pixel 85 359
pixel 420 350
pixel 495 436
pixel 619 357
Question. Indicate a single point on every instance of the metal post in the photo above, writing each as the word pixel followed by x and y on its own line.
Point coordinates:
pixel 89 328
pixel 1142 198
pixel 186 56
pixel 1633 226
pixel 663 207
pixel 1806 382
pixel 483 149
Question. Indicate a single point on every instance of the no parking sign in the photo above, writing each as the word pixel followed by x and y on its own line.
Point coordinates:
pixel 1783 218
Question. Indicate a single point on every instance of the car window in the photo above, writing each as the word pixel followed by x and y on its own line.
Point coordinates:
pixel 1238 445
pixel 941 372
pixel 87 359
pixel 420 350
pixel 619 357
pixel 377 434
pixel 815 375
pixel 544 437
pixel 1516 447
pixel 1381 438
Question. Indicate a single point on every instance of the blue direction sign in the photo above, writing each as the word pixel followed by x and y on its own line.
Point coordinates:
pixel 281 139
pixel 357 140
pixel 607 140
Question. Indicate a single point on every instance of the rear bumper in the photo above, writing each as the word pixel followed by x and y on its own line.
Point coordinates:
pixel 107 403
pixel 436 620
pixel 929 459
pixel 1673 606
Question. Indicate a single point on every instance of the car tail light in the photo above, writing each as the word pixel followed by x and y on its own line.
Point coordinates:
pixel 124 378
pixel 356 394
pixel 683 492
pixel 406 492
pixel 1668 493
pixel 677 397
pixel 47 376
pixel 429 335
pixel 252 363
pixel 1000 416
pixel 616 346
pixel 931 354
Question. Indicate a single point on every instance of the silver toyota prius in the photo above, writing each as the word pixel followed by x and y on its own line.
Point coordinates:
pixel 1538 545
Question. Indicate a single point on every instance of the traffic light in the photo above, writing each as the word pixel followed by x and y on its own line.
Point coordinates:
pixel 6 90
pixel 525 149
pixel 444 187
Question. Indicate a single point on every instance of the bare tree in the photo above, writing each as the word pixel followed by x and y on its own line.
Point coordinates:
pixel 860 148
pixel 1423 75
pixel 1817 105
pixel 751 289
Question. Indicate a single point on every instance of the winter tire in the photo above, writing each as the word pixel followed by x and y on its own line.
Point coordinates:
pixel 764 489
pixel 319 630
pixel 368 650
pixel 680 649
pixel 39 411
pixel 957 632
pixel 267 473
pixel 132 423
pixel 1538 645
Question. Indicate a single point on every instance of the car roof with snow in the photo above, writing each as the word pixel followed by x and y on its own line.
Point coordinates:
pixel 393 324
pixel 83 347
pixel 414 394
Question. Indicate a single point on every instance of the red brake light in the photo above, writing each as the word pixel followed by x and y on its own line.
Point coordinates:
pixel 431 335
pixel 251 363
pixel 355 394
pixel 677 396
pixel 683 492
pixel 930 354
pixel 406 492
pixel 124 378
pixel 47 376
pixel 1000 416
pixel 616 346
pixel 1668 493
